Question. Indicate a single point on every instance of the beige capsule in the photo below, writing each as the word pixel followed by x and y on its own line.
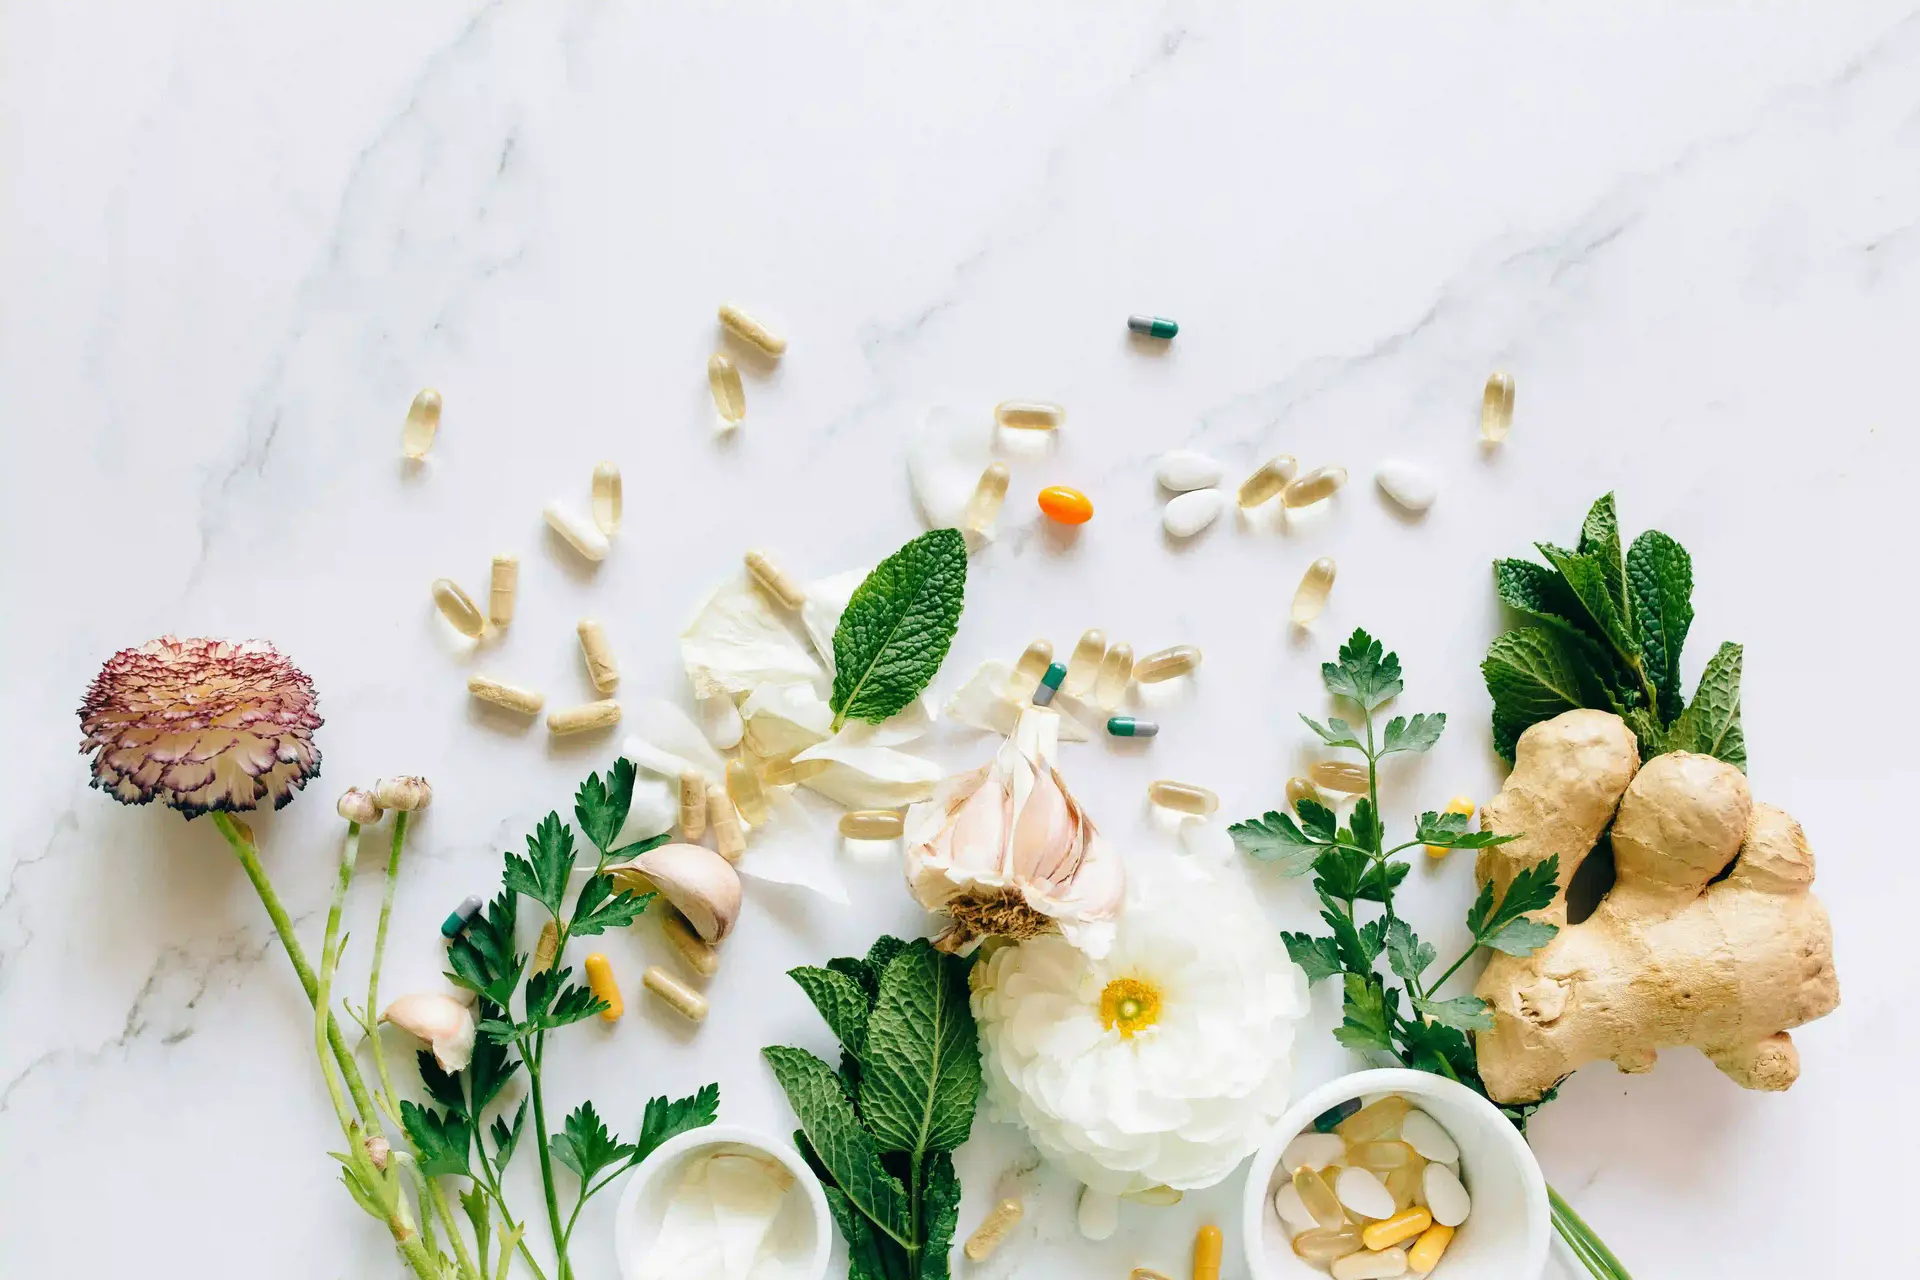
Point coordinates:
pixel 601 667
pixel 680 997
pixel 1116 674
pixel 1496 408
pixel 1165 664
pixel 1183 797
pixel 993 1229
pixel 547 949
pixel 693 806
pixel 501 694
pixel 584 718
pixel 1321 482
pixel 728 835
pixel 423 423
pixel 457 607
pixel 1270 479
pixel 1083 666
pixel 1339 775
pixel 747 329
pixel 607 498
pixel 989 495
pixel 1029 415
pixel 744 789
pixel 729 397
pixel 503 589
pixel 700 957
pixel 774 581
pixel 1316 584
pixel 785 771
pixel 872 824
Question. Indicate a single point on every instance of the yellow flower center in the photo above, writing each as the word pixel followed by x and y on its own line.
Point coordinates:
pixel 1129 1005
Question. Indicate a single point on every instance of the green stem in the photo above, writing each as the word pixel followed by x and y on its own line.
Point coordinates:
pixel 372 1010
pixel 329 961
pixel 561 1268
pixel 492 1184
pixel 437 1194
pixel 1588 1247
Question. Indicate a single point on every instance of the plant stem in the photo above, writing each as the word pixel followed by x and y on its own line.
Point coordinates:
pixel 561 1268
pixel 1586 1246
pixel 379 954
pixel 329 960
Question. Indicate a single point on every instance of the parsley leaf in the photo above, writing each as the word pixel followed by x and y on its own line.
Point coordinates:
pixel 483 958
pixel 666 1118
pixel 1365 1025
pixel 1365 673
pixel 599 908
pixel 1275 838
pixel 507 1136
pixel 441 1141
pixel 1462 1013
pixel 1505 927
pixel 1406 954
pixel 585 1145
pixel 897 627
pixel 1449 831
pixel 1417 734
pixel 1335 732
pixel 542 874
pixel 1317 820
pixel 601 807
pixel 1319 957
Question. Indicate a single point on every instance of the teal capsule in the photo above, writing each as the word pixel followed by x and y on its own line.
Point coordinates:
pixel 1128 727
pixel 1049 684
pixel 457 919
pixel 1152 326
pixel 1324 1122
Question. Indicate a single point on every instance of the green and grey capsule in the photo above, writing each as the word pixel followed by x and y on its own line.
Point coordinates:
pixel 457 920
pixel 1049 684
pixel 1128 727
pixel 1152 326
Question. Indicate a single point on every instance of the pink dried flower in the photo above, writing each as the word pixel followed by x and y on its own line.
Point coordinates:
pixel 201 725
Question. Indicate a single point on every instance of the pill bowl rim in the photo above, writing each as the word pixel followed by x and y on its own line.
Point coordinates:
pixel 1535 1226
pixel 646 1178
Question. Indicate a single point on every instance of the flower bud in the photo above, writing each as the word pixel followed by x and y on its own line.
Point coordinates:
pixel 404 794
pixel 359 806
pixel 378 1151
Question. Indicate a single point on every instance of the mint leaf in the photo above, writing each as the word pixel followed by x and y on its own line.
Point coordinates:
pixel 1600 542
pixel 1537 590
pixel 599 908
pixel 1365 1025
pixel 896 629
pixel 880 955
pixel 1534 675
pixel 1335 732
pixel 1462 1013
pixel 940 1214
pixel 920 1067
pixel 846 1151
pixel 601 807
pixel 440 1141
pixel 1406 954
pixel 1711 722
pixel 1364 673
pixel 1319 957
pixel 1275 838
pixel 669 1118
pixel 1417 734
pixel 1587 578
pixel 1660 581
pixel 840 1000
pixel 542 874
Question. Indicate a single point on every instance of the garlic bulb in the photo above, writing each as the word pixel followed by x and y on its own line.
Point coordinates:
pixel 1007 852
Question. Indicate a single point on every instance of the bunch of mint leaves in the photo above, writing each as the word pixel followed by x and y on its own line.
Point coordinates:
pixel 897 628
pixel 486 959
pixel 880 1132
pixel 1610 629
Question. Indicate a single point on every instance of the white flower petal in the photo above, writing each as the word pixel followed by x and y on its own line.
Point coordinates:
pixel 663 733
pixel 983 703
pixel 786 717
pixel 789 848
pixel 870 777
pixel 826 601
pixel 656 803
pixel 945 457
pixel 740 639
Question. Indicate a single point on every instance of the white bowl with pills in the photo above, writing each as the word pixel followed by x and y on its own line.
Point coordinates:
pixel 1393 1173
pixel 720 1201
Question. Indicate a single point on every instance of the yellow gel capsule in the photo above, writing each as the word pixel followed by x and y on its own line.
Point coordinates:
pixel 457 607
pixel 600 978
pixel 1375 1121
pixel 1426 1251
pixel 1403 1184
pixel 1029 415
pixel 744 789
pixel 1083 667
pixel 1496 408
pixel 1065 505
pixel 1270 479
pixel 1183 797
pixel 1317 1194
pixel 872 824
pixel 1380 1156
pixel 1310 597
pixel 1208 1245
pixel 1340 775
pixel 1116 673
pixel 502 590
pixel 423 423
pixel 785 771
pixel 729 397
pixel 1459 804
pixel 683 999
pixel 1027 671
pixel 1321 482
pixel 1165 664
pixel 1325 1245
pixel 983 508
pixel 1299 789
pixel 607 499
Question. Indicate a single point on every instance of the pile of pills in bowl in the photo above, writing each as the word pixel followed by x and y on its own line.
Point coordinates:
pixel 1372 1191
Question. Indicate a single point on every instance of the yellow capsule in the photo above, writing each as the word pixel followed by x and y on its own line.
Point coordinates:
pixel 699 955
pixel 747 329
pixel 1029 415
pixel 1426 1251
pixel 1389 1232
pixel 547 949
pixel 729 397
pixel 993 1229
pixel 1316 584
pixel 1299 789
pixel 1380 1156
pixel 1208 1245
pixel 1340 775
pixel 1321 482
pixel 1325 1245
pixel 600 979
pixel 607 498
pixel 1083 667
pixel 693 806
pixel 423 422
pixel 1375 1121
pixel 1317 1194
pixel 1116 673
pixel 584 718
pixel 785 771
pixel 872 824
pixel 1459 804
pixel 526 701
pixel 1496 408
pixel 601 668
pixel 983 508
pixel 501 591
pixel 1165 664
pixel 1183 797
pixel 1027 671
pixel 1270 479
pixel 728 835
pixel 683 999
pixel 457 607
pixel 744 789
pixel 774 581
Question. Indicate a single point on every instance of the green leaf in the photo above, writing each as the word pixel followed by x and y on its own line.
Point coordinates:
pixel 479 1211
pixel 1660 582
pixel 542 874
pixel 1319 957
pixel 443 1087
pixel 880 955
pixel 871 1255
pixel 628 852
pixel 599 907
pixel 864 975
pixel 585 1144
pixel 1600 542
pixel 1356 947
pixel 1449 831
pixel 920 1067
pixel 487 1074
pixel 601 807
pixel 1522 937
pixel 553 1002
pixel 1381 880
pixel 1462 1013
pixel 507 1136
pixel 939 1214
pixel 1364 673
pixel 1406 954
pixel 667 1118
pixel 1368 831
pixel 440 1141
pixel 1536 590
pixel 840 1000
pixel 1534 675
pixel 1711 723
pixel 846 1150
pixel 1417 734
pixel 1317 820
pixel 1441 1050
pixel 1364 1026
pixel 896 629
pixel 1586 576
pixel 1335 732
pixel 1505 928
pixel 1275 838
pixel 1338 873
pixel 483 958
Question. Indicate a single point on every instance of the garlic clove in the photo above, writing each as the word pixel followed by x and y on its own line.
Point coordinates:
pixel 443 1022
pixel 695 879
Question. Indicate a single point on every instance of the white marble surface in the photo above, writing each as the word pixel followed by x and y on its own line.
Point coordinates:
pixel 237 238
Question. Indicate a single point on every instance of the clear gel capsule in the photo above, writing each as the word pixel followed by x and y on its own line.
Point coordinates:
pixel 1128 727
pixel 1152 326
pixel 584 718
pixel 601 668
pixel 785 771
pixel 1316 584
pixel 1029 415
pixel 1165 664
pixel 1299 789
pixel 1339 775
pixel 747 329
pixel 501 694
pixel 775 581
pixel 729 397
pixel 502 590
pixel 1050 682
pixel 872 824
pixel 1316 1193
pixel 680 997
pixel 744 789
pixel 1496 408
pixel 607 498
pixel 1116 673
pixel 1321 482
pixel 1377 1121
pixel 1183 797
pixel 457 607
pixel 1032 665
pixel 423 422
pixel 1270 479
pixel 1083 667
pixel 983 508
pixel 1325 1246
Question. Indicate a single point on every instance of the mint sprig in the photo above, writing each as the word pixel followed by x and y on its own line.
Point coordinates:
pixel 896 629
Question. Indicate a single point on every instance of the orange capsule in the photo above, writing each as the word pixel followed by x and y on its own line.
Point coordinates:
pixel 1068 506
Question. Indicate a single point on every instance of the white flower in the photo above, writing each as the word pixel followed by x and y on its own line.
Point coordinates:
pixel 1166 1061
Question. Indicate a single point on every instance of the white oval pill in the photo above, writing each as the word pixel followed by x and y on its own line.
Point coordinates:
pixel 1189 513
pixel 1293 1210
pixel 1099 1213
pixel 1424 1134
pixel 1408 485
pixel 1313 1151
pixel 1183 469
pixel 1446 1199
pixel 1363 1192
pixel 720 721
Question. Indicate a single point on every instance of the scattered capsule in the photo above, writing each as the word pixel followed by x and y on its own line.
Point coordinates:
pixel 1321 482
pixel 1165 664
pixel 1313 1150
pixel 729 397
pixel 423 423
pixel 1067 506
pixel 1029 415
pixel 1270 479
pixel 1083 667
pixel 1403 1184
pixel 1376 1121
pixel 1381 1156
pixel 547 949
pixel 1424 1134
pixel 1445 1197
pixel 744 789
pixel 1496 408
pixel 1426 1251
pixel 457 607
pixel 607 499
pixel 584 718
pixel 693 807
pixel 1299 789
pixel 1116 673
pixel 600 978
pixel 502 589
pixel 1462 805
pixel 1370 1266
pixel 1363 1193
pixel 747 329
pixel 1050 682
pixel 785 771
pixel 1340 775
pixel 1129 727
pixel 456 921
pixel 1322 1245
pixel 872 824
pixel 680 997
pixel 1152 326
pixel 582 535
pixel 501 694
pixel 1316 1194
pixel 1316 584
pixel 993 1229
pixel 1098 1214
pixel 1032 665
pixel 696 951
pixel 728 835
pixel 983 508
pixel 1208 1245
pixel 601 668
pixel 1183 797
pixel 775 582
pixel 1330 1119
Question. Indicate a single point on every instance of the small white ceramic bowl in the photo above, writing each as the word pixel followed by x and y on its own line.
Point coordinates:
pixel 1506 1236
pixel 643 1201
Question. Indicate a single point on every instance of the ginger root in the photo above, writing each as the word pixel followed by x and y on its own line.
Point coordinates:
pixel 1671 956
